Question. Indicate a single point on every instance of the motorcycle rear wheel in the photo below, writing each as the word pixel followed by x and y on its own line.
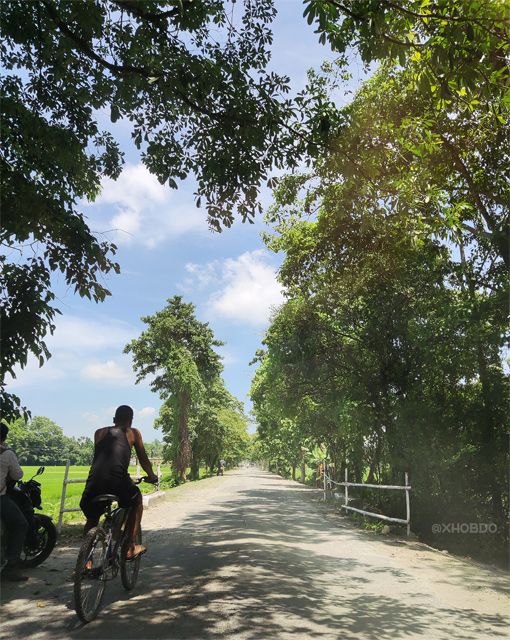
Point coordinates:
pixel 35 552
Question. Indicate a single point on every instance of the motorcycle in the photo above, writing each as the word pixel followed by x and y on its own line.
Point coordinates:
pixel 41 535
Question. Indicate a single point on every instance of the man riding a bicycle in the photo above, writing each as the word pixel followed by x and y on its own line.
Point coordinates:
pixel 109 474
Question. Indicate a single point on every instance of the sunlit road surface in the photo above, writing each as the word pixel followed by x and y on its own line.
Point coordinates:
pixel 251 555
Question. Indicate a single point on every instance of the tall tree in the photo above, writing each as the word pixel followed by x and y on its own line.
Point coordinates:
pixel 391 157
pixel 219 428
pixel 390 368
pixel 216 425
pixel 176 351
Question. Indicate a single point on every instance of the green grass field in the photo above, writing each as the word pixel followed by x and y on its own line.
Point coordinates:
pixel 51 486
pixel 52 482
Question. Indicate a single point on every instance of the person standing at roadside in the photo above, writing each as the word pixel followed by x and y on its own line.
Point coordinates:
pixel 10 513
pixel 109 474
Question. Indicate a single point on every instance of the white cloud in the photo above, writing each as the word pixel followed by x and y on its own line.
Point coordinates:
pixel 100 418
pixel 134 188
pixel 144 211
pixel 250 288
pixel 146 412
pixel 107 371
pixel 201 276
pixel 77 335
pixel 128 221
pixel 78 348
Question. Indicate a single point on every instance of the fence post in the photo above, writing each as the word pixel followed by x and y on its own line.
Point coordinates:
pixel 408 507
pixel 346 489
pixel 63 500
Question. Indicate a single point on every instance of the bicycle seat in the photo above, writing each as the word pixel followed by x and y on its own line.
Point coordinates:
pixel 105 497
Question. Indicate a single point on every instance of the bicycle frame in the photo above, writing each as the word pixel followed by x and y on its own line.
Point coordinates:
pixel 113 542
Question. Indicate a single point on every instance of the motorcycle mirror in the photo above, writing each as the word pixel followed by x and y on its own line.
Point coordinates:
pixel 39 471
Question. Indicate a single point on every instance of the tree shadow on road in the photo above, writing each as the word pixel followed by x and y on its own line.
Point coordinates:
pixel 262 565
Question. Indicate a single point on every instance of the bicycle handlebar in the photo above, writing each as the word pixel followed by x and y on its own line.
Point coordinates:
pixel 144 479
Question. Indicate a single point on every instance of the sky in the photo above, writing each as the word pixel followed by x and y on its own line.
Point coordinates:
pixel 165 249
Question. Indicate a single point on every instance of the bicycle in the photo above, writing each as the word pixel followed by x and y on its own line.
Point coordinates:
pixel 102 554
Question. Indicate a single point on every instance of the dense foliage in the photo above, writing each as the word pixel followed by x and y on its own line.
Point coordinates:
pixel 390 351
pixel 40 441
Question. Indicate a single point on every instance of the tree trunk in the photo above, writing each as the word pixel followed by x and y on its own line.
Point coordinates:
pixel 303 469
pixel 375 460
pixel 184 454
pixel 195 467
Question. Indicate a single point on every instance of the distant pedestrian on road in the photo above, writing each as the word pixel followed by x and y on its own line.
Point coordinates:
pixel 109 474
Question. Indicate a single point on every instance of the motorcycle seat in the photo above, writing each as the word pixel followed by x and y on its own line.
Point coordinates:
pixel 105 497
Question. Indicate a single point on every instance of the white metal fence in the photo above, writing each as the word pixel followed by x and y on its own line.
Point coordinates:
pixel 67 480
pixel 346 484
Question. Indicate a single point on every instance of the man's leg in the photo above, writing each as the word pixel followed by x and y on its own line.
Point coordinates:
pixel 90 524
pixel 23 501
pixel 133 525
pixel 17 526
pixel 91 511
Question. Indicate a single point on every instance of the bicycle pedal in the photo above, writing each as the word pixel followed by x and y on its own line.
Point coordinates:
pixel 93 574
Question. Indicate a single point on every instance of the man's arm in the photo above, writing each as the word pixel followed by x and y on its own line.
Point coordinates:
pixel 15 471
pixel 142 457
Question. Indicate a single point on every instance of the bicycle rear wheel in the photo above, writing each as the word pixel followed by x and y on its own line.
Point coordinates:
pixel 89 575
pixel 129 568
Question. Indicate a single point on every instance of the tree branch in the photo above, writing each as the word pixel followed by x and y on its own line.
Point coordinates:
pixel 120 70
pixel 84 47
pixel 498 236
pixel 135 9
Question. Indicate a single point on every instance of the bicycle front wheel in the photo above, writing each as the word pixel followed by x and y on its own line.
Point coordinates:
pixel 90 575
pixel 129 568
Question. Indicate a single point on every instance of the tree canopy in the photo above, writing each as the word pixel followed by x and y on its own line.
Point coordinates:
pixel 187 80
pixel 40 441
pixel 463 45
pixel 191 78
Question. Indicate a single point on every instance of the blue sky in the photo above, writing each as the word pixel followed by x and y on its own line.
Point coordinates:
pixel 164 249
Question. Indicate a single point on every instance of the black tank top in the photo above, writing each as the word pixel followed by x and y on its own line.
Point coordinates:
pixel 111 461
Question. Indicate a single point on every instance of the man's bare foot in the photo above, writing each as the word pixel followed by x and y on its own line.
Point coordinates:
pixel 135 550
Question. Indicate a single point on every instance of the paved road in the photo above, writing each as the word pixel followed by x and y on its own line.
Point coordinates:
pixel 253 556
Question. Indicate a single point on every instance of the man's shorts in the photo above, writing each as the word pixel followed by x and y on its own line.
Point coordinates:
pixel 127 492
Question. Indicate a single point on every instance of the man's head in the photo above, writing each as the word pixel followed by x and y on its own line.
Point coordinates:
pixel 4 430
pixel 123 415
